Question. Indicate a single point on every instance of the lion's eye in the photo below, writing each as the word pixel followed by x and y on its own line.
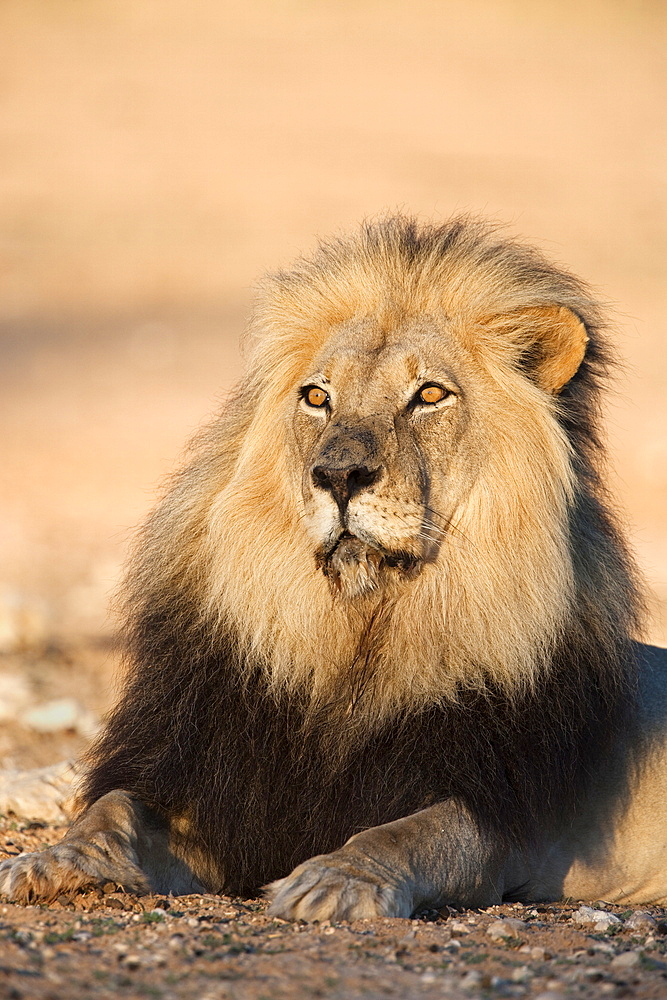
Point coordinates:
pixel 431 394
pixel 315 396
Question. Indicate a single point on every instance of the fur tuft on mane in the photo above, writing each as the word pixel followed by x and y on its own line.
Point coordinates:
pixel 278 720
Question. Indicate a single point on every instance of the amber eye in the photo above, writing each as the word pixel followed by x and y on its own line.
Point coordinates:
pixel 431 394
pixel 315 396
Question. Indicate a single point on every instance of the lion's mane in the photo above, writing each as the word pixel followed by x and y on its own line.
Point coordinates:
pixel 278 720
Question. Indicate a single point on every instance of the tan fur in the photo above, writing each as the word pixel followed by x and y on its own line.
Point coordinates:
pixel 246 538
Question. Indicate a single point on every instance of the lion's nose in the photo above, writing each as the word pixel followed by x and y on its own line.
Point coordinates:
pixel 344 483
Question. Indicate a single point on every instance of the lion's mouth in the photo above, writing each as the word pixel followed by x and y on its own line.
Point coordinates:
pixel 355 567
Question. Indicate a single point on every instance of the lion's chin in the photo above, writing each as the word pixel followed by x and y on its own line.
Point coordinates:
pixel 354 568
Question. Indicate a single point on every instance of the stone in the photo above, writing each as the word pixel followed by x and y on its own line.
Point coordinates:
pixel 58 715
pixel 602 947
pixel 458 928
pixel 42 795
pixel 626 960
pixel 23 622
pixel 594 974
pixel 536 953
pixel 601 920
pixel 15 696
pixel 508 927
pixel 641 921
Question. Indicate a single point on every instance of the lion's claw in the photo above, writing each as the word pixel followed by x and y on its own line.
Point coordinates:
pixel 331 888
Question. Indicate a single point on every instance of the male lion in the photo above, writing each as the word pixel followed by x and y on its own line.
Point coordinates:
pixel 384 616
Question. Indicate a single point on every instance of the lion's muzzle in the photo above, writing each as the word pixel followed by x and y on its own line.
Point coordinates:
pixel 348 462
pixel 344 483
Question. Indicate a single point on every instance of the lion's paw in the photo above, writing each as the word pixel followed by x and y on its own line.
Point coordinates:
pixel 331 888
pixel 67 867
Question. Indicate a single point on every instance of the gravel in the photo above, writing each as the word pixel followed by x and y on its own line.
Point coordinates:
pixel 110 944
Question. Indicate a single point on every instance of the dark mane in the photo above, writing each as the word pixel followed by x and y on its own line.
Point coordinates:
pixel 265 789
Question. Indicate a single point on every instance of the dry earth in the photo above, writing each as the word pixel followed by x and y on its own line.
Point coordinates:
pixel 108 944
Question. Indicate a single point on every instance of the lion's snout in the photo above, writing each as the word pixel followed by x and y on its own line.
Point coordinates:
pixel 344 482
pixel 349 461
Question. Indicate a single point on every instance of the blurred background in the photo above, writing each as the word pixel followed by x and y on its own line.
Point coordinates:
pixel 157 155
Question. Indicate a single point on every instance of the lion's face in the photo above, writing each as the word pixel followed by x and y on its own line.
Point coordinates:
pixel 393 484
pixel 377 424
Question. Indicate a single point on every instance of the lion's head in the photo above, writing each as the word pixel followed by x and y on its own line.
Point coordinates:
pixel 402 413
pixel 401 498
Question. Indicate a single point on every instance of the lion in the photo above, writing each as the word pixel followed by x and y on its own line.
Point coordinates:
pixel 382 630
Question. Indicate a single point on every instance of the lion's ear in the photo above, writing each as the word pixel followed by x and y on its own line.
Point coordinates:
pixel 553 341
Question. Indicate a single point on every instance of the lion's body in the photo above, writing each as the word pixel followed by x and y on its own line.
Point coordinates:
pixel 615 848
pixel 387 590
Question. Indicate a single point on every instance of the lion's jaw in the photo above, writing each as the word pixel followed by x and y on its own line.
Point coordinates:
pixel 355 567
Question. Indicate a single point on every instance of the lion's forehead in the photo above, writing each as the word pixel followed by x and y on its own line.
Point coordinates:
pixel 362 359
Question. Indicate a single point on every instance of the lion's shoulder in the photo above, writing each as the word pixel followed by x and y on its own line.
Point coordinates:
pixel 652 694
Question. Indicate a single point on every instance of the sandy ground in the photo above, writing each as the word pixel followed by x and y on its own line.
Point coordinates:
pixel 108 944
pixel 156 157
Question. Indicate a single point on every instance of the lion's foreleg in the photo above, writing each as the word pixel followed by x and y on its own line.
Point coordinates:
pixel 118 839
pixel 434 857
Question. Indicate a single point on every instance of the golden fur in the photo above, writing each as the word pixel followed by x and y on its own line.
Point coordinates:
pixel 500 594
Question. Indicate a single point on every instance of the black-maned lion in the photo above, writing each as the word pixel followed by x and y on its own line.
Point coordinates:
pixel 384 616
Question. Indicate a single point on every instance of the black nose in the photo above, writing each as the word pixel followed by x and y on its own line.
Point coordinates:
pixel 344 483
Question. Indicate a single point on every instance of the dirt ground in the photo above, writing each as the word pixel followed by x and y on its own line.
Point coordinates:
pixel 109 944
pixel 156 158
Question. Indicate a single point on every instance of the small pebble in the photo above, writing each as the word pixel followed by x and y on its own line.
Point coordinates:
pixel 600 919
pixel 603 947
pixel 641 921
pixel 510 927
pixel 536 953
pixel 593 974
pixel 58 715
pixel 626 960
pixel 157 960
